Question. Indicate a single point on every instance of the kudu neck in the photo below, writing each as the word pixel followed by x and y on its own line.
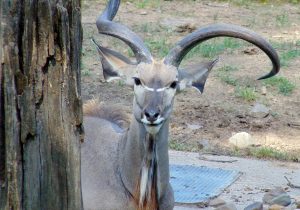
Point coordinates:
pixel 132 153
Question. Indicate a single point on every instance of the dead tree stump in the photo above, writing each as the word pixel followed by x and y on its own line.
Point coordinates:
pixel 40 104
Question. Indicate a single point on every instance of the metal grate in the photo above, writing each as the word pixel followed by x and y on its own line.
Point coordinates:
pixel 192 184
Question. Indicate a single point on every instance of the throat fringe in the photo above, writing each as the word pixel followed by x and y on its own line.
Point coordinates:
pixel 146 196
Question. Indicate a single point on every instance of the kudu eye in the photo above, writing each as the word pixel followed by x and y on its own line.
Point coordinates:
pixel 137 81
pixel 173 85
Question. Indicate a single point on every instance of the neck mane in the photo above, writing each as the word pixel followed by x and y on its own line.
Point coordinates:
pixel 144 164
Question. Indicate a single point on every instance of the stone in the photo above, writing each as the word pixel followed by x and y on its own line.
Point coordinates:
pixel 143 13
pixel 175 23
pixel 194 126
pixel 227 206
pixel 276 207
pixel 204 144
pixel 273 193
pixel 251 51
pixel 188 27
pixel 297 202
pixel 283 200
pixel 294 124
pixel 255 206
pixel 216 202
pixel 259 111
pixel 242 140
pixel 264 90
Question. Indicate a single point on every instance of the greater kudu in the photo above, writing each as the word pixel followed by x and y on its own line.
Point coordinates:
pixel 129 168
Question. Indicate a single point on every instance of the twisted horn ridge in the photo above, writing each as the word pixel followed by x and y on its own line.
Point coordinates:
pixel 177 53
pixel 106 26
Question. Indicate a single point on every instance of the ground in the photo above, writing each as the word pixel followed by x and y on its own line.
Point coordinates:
pixel 231 90
pixel 257 177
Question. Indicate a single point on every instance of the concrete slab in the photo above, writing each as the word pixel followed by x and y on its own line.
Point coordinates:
pixel 257 176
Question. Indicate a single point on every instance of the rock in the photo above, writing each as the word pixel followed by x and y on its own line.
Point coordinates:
pixel 251 51
pixel 189 27
pixel 273 193
pixel 276 207
pixel 264 90
pixel 255 206
pixel 223 123
pixel 143 13
pixel 241 140
pixel 283 200
pixel 259 123
pixel 175 23
pixel 216 202
pixel 294 124
pixel 194 126
pixel 228 206
pixel 297 202
pixel 259 111
pixel 204 144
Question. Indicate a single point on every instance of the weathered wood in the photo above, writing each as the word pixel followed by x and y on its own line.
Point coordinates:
pixel 40 104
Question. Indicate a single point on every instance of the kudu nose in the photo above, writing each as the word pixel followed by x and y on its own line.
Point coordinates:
pixel 152 115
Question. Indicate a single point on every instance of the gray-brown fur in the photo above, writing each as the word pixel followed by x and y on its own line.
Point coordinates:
pixel 116 114
pixel 111 163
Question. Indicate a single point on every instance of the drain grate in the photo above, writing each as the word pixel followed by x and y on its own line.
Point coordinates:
pixel 193 184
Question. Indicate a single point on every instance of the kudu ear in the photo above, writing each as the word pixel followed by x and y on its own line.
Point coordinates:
pixel 115 65
pixel 195 75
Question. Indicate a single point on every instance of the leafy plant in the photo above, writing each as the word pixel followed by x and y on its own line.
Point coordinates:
pixel 282 20
pixel 181 146
pixel 283 85
pixel 85 72
pixel 212 48
pixel 268 152
pixel 145 3
pixel 227 68
pixel 228 79
pixel 159 47
pixel 287 56
pixel 246 93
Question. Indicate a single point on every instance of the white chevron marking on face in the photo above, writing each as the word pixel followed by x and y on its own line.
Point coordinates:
pixel 154 90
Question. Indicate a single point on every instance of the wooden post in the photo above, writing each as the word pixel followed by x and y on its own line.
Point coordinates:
pixel 40 104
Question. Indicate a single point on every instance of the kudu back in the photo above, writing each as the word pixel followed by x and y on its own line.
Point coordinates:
pixel 125 163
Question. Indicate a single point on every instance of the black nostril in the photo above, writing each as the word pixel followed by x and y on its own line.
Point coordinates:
pixel 147 114
pixel 151 115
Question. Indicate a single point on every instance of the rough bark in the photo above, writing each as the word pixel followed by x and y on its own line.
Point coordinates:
pixel 40 104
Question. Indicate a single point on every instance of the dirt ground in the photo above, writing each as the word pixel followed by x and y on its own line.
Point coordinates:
pixel 257 177
pixel 219 112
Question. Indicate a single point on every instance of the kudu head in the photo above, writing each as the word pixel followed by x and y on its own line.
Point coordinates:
pixel 156 82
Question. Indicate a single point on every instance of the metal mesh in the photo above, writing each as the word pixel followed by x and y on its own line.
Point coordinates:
pixel 192 184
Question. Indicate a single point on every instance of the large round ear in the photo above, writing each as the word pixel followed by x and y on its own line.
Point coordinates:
pixel 114 64
pixel 195 75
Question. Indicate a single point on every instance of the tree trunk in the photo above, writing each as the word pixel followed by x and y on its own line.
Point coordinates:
pixel 40 104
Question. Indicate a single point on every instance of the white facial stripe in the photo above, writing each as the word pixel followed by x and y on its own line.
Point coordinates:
pixel 148 88
pixel 154 90
pixel 160 89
